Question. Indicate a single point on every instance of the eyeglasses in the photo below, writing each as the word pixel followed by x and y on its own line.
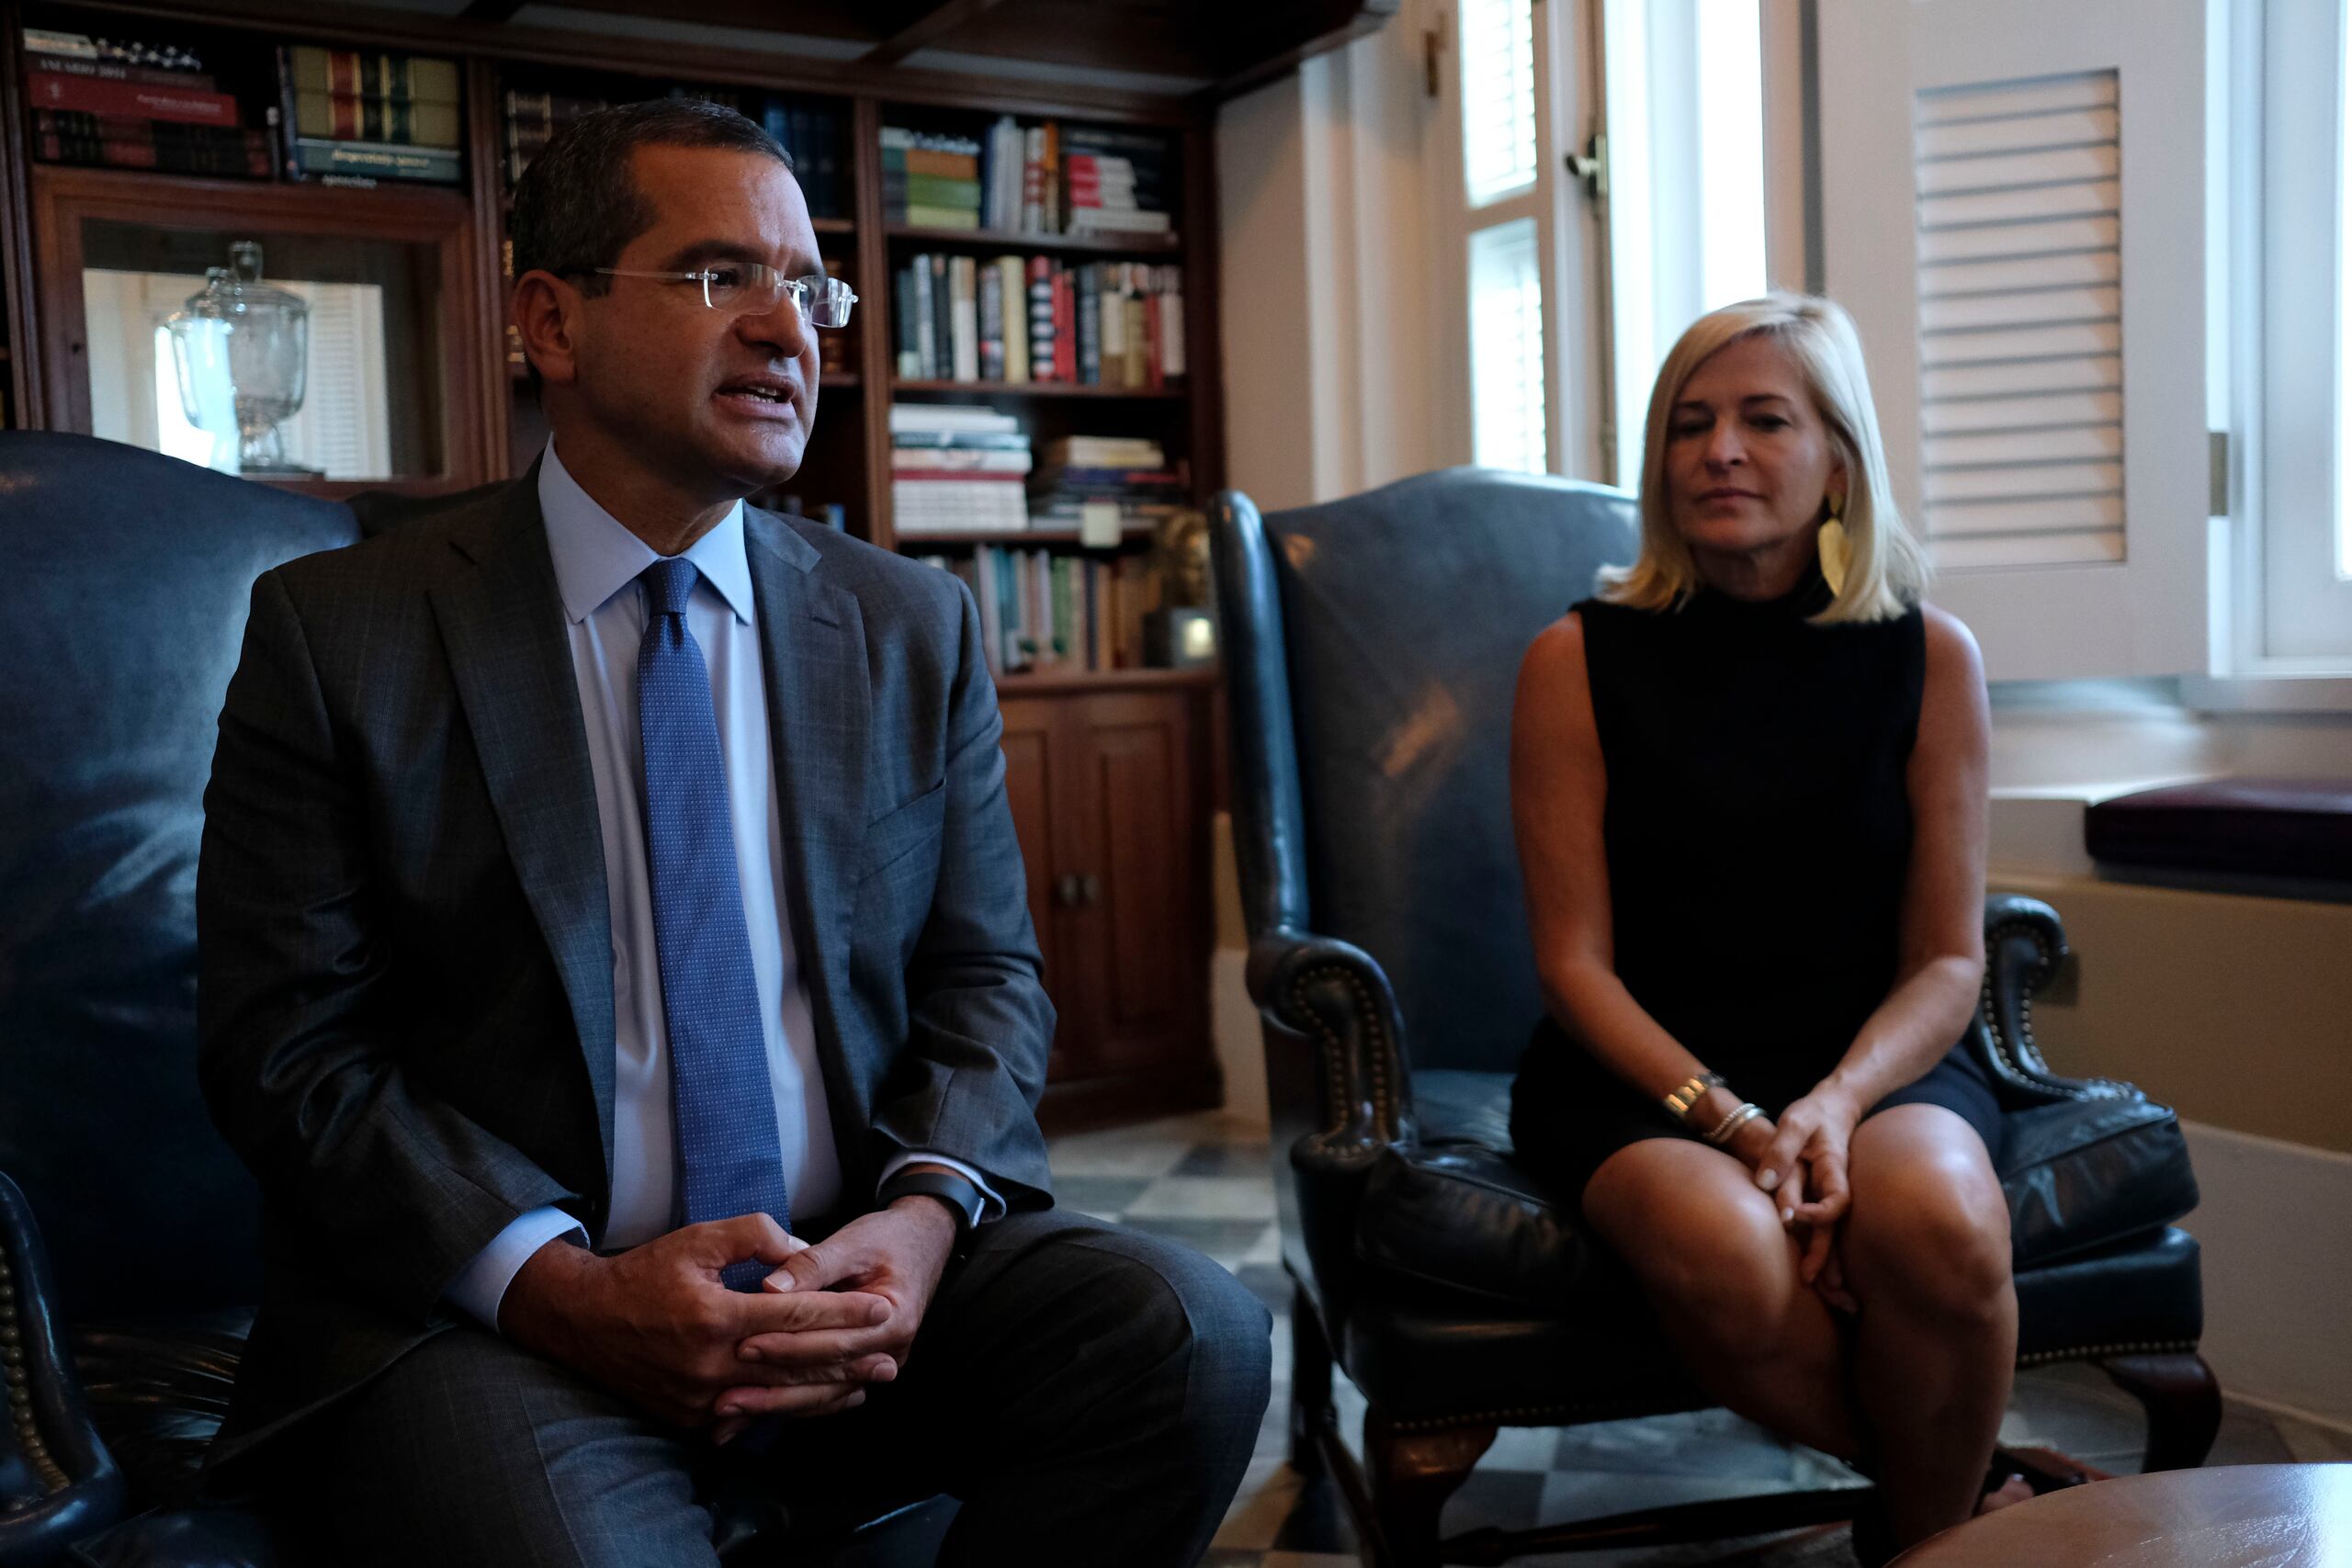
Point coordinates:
pixel 750 287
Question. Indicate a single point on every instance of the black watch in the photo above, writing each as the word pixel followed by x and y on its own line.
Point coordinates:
pixel 956 1191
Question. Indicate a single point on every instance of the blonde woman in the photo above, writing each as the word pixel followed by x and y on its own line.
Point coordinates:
pixel 1748 782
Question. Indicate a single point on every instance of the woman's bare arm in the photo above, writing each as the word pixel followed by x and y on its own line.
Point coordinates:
pixel 1942 955
pixel 1558 787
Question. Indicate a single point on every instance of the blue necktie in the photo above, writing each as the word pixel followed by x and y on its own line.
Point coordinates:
pixel 730 1160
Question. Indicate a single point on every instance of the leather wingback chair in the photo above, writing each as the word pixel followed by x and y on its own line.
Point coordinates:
pixel 1372 647
pixel 128 579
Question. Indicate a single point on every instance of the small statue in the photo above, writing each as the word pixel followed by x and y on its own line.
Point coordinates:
pixel 1182 633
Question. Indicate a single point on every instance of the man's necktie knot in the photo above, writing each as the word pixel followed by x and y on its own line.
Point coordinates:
pixel 669 583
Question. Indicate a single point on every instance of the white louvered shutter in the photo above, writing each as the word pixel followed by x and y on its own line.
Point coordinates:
pixel 2014 201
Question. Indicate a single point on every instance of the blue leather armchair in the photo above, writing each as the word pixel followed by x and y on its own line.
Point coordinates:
pixel 121 620
pixel 1372 645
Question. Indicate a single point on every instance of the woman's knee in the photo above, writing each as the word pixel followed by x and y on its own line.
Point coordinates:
pixel 1935 1235
pixel 1718 1259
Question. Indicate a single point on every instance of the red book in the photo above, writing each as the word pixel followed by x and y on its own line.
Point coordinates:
pixel 129 100
pixel 1151 376
pixel 1065 326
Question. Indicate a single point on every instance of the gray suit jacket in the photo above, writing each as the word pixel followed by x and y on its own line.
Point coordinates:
pixel 405 959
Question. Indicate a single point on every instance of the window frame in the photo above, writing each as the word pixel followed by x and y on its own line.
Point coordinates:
pixel 1570 244
pixel 2284 265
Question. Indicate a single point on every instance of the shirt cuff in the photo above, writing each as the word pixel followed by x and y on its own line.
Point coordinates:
pixel 991 1206
pixel 481 1284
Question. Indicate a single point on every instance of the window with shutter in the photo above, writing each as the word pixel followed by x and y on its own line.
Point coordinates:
pixel 2014 208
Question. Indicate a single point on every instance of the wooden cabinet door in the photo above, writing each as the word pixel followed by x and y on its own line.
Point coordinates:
pixel 1129 836
pixel 1033 789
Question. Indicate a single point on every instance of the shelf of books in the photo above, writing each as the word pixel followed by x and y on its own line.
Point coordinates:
pixel 1019 398
pixel 1041 396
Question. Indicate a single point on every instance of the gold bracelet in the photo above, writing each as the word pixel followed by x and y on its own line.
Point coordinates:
pixel 1692 1088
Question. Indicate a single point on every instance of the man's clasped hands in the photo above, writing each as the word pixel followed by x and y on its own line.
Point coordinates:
pixel 656 1324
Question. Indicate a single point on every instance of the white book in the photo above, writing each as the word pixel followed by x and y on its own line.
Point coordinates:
pixel 951 417
pixel 1171 322
pixel 1015 273
pixel 965 318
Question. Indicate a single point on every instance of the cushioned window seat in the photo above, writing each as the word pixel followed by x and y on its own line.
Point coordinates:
pixel 2289 836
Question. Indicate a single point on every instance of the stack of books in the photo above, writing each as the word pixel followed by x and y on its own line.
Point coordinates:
pixel 532 120
pixel 1128 474
pixel 370 114
pixel 813 137
pixel 930 180
pixel 1115 182
pixel 956 470
pixel 126 105
pixel 1022 319
pixel 1041 178
pixel 1042 612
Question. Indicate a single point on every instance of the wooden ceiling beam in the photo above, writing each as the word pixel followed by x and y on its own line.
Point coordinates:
pixel 925 30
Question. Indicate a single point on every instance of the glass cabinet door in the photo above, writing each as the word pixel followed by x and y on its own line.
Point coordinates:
pixel 388 386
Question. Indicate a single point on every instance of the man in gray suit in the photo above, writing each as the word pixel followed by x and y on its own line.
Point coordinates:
pixel 615 967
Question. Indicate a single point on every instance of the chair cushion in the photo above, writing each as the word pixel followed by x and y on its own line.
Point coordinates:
pixel 158 1391
pixel 2084 1173
pixel 2134 1297
pixel 1455 1216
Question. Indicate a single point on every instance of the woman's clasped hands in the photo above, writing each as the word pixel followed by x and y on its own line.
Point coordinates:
pixel 1803 1166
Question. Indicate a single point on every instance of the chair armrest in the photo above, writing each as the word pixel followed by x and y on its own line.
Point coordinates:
pixel 1337 995
pixel 76 1488
pixel 2024 944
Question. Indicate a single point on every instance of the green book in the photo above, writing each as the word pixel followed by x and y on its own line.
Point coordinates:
pixel 937 190
pixel 921 217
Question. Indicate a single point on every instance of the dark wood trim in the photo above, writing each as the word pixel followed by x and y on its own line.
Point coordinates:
pixel 1038 389
pixel 17 273
pixel 1146 246
pixel 874 341
pixel 1204 376
pixel 489 244
pixel 935 23
pixel 367 27
pixel 1077 1104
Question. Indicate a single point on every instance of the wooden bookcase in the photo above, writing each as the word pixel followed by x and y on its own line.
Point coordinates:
pixel 1110 774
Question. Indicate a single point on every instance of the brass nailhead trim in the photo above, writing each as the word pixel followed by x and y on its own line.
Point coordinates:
pixel 15 1393
pixel 1334 1052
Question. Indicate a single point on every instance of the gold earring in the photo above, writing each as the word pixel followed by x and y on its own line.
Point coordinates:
pixel 1836 552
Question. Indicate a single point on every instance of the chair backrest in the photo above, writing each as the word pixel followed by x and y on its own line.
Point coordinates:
pixel 123 608
pixel 1372 647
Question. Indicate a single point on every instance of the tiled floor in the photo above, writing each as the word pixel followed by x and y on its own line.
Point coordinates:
pixel 1199 1181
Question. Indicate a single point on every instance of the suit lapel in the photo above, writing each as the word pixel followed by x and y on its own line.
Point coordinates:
pixel 812 641
pixel 503 624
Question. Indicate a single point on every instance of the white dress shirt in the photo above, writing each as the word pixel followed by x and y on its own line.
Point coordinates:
pixel 597 563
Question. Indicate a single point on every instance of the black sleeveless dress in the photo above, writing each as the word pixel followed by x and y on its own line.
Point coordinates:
pixel 1758 835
